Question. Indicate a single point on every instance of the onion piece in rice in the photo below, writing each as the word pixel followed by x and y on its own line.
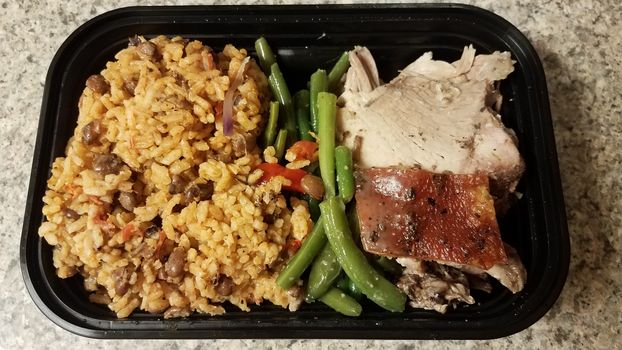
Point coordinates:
pixel 227 109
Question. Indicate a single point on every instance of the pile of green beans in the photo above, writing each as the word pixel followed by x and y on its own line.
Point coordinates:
pixel 340 274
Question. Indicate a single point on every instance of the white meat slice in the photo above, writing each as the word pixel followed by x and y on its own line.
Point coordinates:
pixel 364 74
pixel 434 114
pixel 512 274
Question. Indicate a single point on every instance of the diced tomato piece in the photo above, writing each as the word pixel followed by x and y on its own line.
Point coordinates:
pixel 304 149
pixel 293 175
pixel 128 231
pixel 293 245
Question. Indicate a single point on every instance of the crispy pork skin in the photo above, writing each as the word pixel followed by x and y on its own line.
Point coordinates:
pixel 409 212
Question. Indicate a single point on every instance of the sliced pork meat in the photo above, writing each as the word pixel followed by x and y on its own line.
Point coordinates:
pixel 479 282
pixel 363 76
pixel 434 114
pixel 433 286
pixel 511 274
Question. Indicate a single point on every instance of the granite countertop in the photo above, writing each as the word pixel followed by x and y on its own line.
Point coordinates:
pixel 579 43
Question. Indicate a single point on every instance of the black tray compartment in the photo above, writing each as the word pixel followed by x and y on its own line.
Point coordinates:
pixel 308 37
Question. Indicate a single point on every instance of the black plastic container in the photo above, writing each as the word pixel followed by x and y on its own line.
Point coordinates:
pixel 308 37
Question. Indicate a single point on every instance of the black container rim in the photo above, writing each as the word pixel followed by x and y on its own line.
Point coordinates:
pixel 529 314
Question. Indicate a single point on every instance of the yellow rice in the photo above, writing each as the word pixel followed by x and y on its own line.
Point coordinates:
pixel 168 127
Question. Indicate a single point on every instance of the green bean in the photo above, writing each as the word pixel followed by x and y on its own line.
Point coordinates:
pixel 345 284
pixel 264 52
pixel 324 271
pixel 280 90
pixel 390 266
pixel 342 282
pixel 353 261
pixel 317 84
pixel 301 104
pixel 310 247
pixel 269 133
pixel 339 69
pixel 279 144
pixel 345 173
pixel 327 110
pixel 273 86
pixel 354 290
pixel 314 207
pixel 341 302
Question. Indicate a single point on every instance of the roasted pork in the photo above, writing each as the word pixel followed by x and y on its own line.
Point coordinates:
pixel 433 159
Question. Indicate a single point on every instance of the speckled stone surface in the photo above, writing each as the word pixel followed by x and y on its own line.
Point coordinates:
pixel 580 45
